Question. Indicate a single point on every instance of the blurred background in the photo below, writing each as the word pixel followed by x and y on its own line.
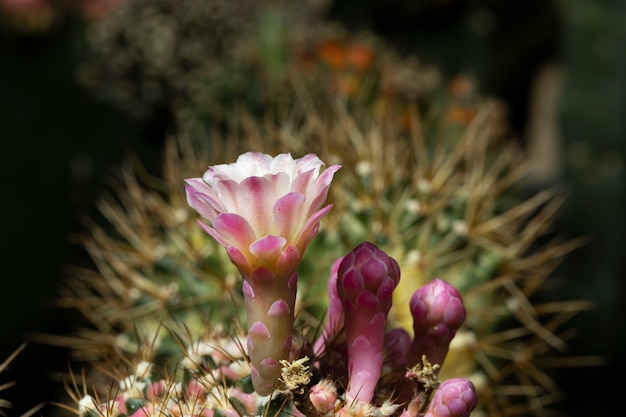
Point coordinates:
pixel 559 65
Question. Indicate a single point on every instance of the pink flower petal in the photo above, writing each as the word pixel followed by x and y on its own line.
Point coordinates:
pixel 309 162
pixel 268 249
pixel 235 229
pixel 247 165
pixel 288 261
pixel 318 194
pixel 287 214
pixel 202 199
pixel 214 234
pixel 283 162
pixel 302 182
pixel 311 226
pixel 214 174
pixel 239 260
pixel 226 190
pixel 198 185
pixel 281 182
pixel 255 160
pixel 255 200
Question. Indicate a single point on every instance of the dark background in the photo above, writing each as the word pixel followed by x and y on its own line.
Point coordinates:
pixel 57 145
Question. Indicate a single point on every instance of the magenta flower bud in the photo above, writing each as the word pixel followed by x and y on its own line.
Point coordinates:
pixel 366 280
pixel 323 396
pixel 397 345
pixel 265 210
pixel 455 397
pixel 438 312
pixel 335 316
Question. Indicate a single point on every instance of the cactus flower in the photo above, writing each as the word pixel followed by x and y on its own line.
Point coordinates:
pixel 438 312
pixel 366 280
pixel 265 210
pixel 262 208
pixel 455 397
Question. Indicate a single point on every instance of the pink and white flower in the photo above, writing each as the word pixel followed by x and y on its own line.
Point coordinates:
pixel 265 210
pixel 262 208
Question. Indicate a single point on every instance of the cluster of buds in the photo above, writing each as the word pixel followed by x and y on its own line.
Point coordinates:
pixel 381 359
pixel 265 211
pixel 141 394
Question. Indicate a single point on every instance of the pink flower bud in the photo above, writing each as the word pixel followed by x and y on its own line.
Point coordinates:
pixel 323 396
pixel 397 345
pixel 334 317
pixel 438 312
pixel 366 280
pixel 453 398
